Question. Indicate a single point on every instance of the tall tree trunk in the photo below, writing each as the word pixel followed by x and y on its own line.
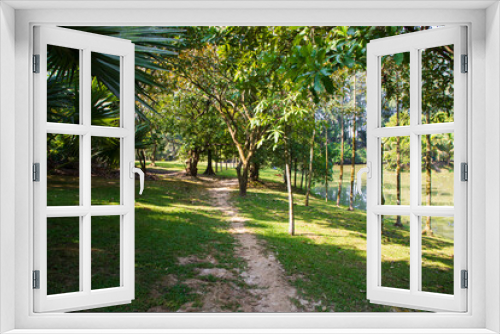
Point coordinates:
pixel 398 166
pixel 254 171
pixel 209 170
pixel 220 158
pixel 242 172
pixel 142 160
pixel 295 178
pixel 353 156
pixel 382 195
pixel 307 178
pixel 216 167
pixel 311 157
pixel 192 163
pixel 326 164
pixel 341 171
pixel 291 218
pixel 302 179
pixel 143 163
pixel 153 155
pixel 428 170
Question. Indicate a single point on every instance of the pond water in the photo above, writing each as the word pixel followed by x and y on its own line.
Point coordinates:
pixel 441 226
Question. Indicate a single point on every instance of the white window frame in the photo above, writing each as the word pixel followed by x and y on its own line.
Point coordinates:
pixel 85 297
pixel 484 50
pixel 414 296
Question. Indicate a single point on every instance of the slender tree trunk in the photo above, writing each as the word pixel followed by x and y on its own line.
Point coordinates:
pixel 302 179
pixel 291 218
pixel 216 167
pixel 220 159
pixel 310 175
pixel 153 155
pixel 226 164
pixel 192 163
pixel 326 164
pixel 382 200
pixel 295 177
pixel 242 171
pixel 341 171
pixel 353 157
pixel 209 170
pixel 398 166
pixel 428 170
pixel 142 159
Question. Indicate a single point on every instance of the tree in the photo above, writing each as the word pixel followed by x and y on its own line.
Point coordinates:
pixel 353 150
pixel 291 216
pixel 153 46
pixel 311 160
pixel 326 163
pixel 396 100
pixel 437 107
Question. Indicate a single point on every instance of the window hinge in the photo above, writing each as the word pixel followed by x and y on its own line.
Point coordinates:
pixel 36 279
pixel 464 172
pixel 465 279
pixel 36 63
pixel 465 63
pixel 36 172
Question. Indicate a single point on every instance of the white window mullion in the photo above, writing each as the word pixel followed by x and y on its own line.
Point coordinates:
pixel 86 174
pixel 414 172
pixel 415 297
pixel 127 100
pixel 81 160
pixel 373 191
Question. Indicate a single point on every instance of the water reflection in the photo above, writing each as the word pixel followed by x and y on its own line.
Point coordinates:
pixel 359 200
pixel 441 226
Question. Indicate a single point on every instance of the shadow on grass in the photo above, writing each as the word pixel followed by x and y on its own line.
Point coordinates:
pixel 326 259
pixel 173 219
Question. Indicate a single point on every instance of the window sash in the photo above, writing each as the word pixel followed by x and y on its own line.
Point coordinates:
pixel 414 298
pixel 85 298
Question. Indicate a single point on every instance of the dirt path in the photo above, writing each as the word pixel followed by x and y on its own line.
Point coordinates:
pixel 270 290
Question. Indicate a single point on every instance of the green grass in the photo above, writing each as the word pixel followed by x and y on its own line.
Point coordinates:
pixel 173 219
pixel 326 260
pixel 328 254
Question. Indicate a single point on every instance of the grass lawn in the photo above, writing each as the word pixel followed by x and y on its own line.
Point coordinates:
pixel 327 257
pixel 173 220
pixel 326 260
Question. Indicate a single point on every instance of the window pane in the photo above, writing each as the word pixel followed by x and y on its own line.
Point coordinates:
pixel 437 169
pixel 63 170
pixel 437 254
pixel 105 252
pixel 395 170
pixel 63 255
pixel 395 251
pixel 63 85
pixel 395 89
pixel 105 89
pixel 437 84
pixel 105 171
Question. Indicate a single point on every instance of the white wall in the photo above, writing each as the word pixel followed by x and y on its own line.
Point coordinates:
pixel 7 159
pixel 492 164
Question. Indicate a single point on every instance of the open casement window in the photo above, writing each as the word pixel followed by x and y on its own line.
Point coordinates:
pixel 417 129
pixel 84 120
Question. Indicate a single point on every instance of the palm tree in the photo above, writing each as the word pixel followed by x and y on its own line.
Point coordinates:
pixel 154 46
